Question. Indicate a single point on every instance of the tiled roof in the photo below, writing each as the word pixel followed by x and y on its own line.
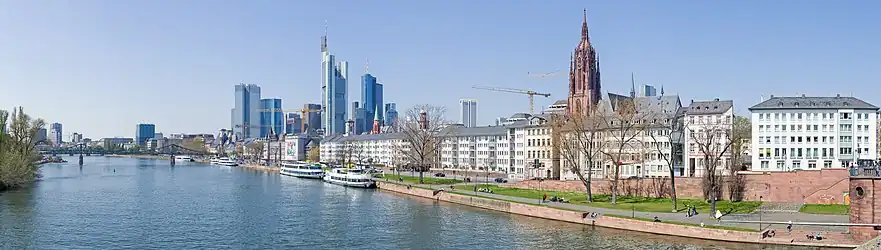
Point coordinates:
pixel 709 107
pixel 807 102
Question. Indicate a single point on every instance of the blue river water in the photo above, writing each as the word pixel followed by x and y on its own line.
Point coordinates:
pixel 126 203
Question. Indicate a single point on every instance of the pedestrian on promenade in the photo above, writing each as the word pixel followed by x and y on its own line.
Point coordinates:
pixel 544 198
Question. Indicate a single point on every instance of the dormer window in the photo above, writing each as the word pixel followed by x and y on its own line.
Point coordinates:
pixel 846 104
pixel 796 104
pixel 780 104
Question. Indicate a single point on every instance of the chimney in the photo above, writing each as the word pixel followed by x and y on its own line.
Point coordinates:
pixel 717 99
pixel 838 96
pixel 692 101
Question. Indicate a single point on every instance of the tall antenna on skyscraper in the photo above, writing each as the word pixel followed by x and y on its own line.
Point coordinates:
pixel 324 38
pixel 367 65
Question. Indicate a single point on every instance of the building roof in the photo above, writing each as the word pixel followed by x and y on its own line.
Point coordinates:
pixel 668 104
pixel 473 131
pixel 807 102
pixel 709 107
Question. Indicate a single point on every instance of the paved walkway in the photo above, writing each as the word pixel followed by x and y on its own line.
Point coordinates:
pixel 680 217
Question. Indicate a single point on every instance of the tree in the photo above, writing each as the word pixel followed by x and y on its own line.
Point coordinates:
pixel 420 134
pixel 622 125
pixel 196 144
pixel 255 149
pixel 713 139
pixel 666 133
pixel 18 154
pixel 741 132
pixel 580 144
pixel 314 154
pixel 358 152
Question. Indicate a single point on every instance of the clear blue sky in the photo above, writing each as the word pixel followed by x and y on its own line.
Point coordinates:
pixel 100 67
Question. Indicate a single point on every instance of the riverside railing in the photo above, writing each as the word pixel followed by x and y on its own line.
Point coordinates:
pixel 865 171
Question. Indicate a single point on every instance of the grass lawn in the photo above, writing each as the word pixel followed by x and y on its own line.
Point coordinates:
pixel 825 209
pixel 643 204
pixel 415 179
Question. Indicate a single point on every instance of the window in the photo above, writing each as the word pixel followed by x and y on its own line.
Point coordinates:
pixel 827 164
pixel 776 152
pixel 815 127
pixel 780 164
pixel 796 164
pixel 845 151
pixel 812 165
pixel 765 164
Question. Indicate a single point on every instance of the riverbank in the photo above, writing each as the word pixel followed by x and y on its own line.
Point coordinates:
pixel 260 167
pixel 156 157
pixel 583 216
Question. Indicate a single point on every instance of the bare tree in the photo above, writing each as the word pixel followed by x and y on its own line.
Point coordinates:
pixel 713 139
pixel 580 144
pixel 741 131
pixel 420 132
pixel 622 125
pixel 666 133
pixel 359 153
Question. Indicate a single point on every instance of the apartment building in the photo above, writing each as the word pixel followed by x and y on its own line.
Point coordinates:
pixel 702 117
pixel 511 148
pixel 812 133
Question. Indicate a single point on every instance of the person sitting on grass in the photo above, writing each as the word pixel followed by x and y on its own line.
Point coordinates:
pixel 656 219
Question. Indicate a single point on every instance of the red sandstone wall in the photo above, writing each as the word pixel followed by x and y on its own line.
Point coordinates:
pixel 826 186
pixel 602 221
pixel 863 209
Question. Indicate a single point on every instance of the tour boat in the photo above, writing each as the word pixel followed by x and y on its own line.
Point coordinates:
pixel 224 161
pixel 183 158
pixel 350 178
pixel 302 170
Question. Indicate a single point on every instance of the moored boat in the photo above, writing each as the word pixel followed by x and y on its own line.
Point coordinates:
pixel 350 177
pixel 224 161
pixel 302 170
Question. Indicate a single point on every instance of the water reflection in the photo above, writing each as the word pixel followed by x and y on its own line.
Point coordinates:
pixel 146 204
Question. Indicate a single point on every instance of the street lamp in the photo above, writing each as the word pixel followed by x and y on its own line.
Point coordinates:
pixel 760 214
pixel 633 203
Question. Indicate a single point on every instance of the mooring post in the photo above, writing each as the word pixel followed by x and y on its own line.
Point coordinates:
pixel 172 159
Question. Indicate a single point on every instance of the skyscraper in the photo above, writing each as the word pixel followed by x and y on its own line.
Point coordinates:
pixel 468 112
pixel 42 135
pixel 294 124
pixel 371 98
pixel 144 132
pixel 359 117
pixel 391 114
pixel 245 115
pixel 584 74
pixel 55 133
pixel 334 87
pixel 271 117
pixel 312 119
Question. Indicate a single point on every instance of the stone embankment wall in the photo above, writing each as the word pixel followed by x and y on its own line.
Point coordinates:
pixel 827 186
pixel 601 221
pixel 261 167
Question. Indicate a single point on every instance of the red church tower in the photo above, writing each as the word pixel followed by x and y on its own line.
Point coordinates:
pixel 584 74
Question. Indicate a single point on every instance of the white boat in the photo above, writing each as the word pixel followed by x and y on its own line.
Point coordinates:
pixel 350 178
pixel 184 158
pixel 302 170
pixel 224 161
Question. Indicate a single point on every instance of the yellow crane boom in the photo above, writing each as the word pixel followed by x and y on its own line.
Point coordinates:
pixel 530 93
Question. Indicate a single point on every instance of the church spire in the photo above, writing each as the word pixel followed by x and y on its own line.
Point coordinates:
pixel 584 35
pixel 632 86
pixel 662 90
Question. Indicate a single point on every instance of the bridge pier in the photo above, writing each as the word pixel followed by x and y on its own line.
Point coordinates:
pixel 81 159
pixel 171 158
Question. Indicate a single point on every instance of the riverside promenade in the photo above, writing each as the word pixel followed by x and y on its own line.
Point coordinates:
pixel 675 224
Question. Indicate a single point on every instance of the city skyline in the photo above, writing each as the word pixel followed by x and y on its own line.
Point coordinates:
pixel 680 47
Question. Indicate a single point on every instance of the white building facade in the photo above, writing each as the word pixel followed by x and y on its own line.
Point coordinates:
pixel 701 117
pixel 812 133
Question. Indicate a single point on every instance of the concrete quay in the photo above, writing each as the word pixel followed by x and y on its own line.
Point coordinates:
pixel 581 215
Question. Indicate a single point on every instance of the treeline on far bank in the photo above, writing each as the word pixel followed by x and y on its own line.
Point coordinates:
pixel 18 155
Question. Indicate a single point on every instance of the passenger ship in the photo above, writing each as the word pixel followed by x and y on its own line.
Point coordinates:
pixel 350 178
pixel 302 170
pixel 224 161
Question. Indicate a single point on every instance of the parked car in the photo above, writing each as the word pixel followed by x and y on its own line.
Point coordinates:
pixel 440 175
pixel 501 180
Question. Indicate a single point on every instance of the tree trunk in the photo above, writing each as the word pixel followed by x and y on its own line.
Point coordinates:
pixel 615 185
pixel 673 188
pixel 587 185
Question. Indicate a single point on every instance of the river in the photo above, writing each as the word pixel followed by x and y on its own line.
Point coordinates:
pixel 126 203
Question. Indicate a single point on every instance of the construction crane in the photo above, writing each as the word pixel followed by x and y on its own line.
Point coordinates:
pixel 530 93
pixel 552 74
